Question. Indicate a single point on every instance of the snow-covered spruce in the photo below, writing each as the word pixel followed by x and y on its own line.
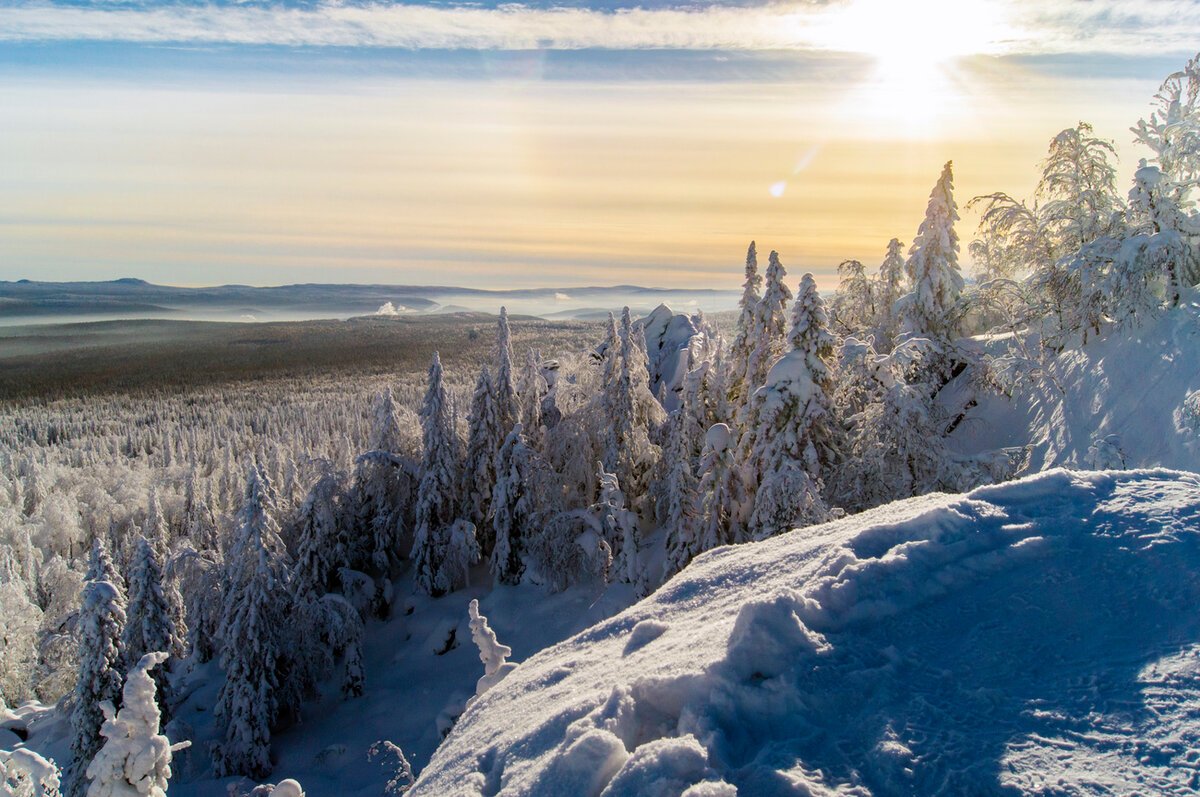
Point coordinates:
pixel 493 654
pixel 136 757
pixel 437 496
pixel 932 267
pixel 101 656
pixel 149 626
pixel 253 626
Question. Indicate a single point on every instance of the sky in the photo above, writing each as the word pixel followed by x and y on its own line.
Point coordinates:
pixel 582 142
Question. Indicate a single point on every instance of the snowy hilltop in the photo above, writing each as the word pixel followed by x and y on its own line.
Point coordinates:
pixel 1035 635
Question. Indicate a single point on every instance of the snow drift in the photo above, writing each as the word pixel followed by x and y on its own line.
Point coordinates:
pixel 1131 399
pixel 1040 637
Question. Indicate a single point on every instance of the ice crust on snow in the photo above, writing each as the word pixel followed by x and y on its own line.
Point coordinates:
pixel 1037 636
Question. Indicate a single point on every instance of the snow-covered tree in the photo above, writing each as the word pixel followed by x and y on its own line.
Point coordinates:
pixel 890 286
pixel 629 409
pixel 793 426
pixel 508 403
pixel 317 534
pixel 101 568
pixel 853 309
pixel 1156 210
pixel 462 552
pixel 24 773
pixel 493 654
pixel 743 342
pixel 436 496
pixel 155 529
pixel 896 448
pixel 720 484
pixel 136 758
pixel 932 266
pixel 381 499
pixel 1078 189
pixel 679 499
pixel 769 328
pixel 148 623
pixel 101 621
pixel 532 392
pixel 511 488
pixel 484 438
pixel 1173 130
pixel 253 631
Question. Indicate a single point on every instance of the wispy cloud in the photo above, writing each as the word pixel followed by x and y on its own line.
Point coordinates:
pixel 1032 26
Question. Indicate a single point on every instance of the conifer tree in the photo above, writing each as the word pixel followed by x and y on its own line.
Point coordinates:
pixel 770 325
pixel 890 286
pixel 932 267
pixel 511 486
pixel 101 621
pixel 719 483
pixel 136 757
pixel 793 437
pixel 155 527
pixel 148 623
pixel 743 342
pixel 679 498
pixel 533 391
pixel 378 498
pixel 253 628
pixel 508 404
pixel 101 568
pixel 484 439
pixel 316 535
pixel 854 306
pixel 436 505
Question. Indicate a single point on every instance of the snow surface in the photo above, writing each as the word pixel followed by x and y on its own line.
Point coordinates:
pixel 1131 390
pixel 1039 636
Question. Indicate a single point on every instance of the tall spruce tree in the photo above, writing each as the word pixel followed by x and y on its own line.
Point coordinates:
pixel 932 267
pixel 101 622
pixel 793 433
pixel 253 633
pixel 149 626
pixel 436 504
pixel 743 342
pixel 484 438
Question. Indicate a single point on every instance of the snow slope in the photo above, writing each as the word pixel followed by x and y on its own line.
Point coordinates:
pixel 1140 388
pixel 1040 637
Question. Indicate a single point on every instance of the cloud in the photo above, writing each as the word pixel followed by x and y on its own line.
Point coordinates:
pixel 1033 26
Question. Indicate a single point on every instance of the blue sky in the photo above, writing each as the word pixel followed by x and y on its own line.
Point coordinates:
pixel 534 143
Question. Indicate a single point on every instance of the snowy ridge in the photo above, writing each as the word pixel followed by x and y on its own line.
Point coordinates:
pixel 1037 635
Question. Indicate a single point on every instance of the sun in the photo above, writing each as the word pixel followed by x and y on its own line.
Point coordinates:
pixel 915 48
pixel 913 36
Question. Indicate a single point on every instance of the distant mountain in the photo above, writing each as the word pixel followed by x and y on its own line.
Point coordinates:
pixel 135 298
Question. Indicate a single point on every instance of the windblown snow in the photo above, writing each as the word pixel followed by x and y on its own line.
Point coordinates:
pixel 1037 637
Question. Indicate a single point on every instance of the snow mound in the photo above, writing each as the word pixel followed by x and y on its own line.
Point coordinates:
pixel 1128 400
pixel 1039 636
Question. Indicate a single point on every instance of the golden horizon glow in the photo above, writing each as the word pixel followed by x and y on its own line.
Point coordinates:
pixel 513 183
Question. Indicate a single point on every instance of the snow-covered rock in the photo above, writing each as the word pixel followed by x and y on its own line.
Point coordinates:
pixel 1039 636
pixel 668 338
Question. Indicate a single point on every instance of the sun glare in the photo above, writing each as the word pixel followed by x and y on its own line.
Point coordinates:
pixel 914 36
pixel 914 46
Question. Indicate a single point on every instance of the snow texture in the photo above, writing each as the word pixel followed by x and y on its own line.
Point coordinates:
pixel 1035 637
